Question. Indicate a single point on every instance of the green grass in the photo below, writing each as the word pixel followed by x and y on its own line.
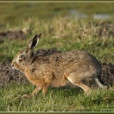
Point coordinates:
pixel 56 99
pixel 65 34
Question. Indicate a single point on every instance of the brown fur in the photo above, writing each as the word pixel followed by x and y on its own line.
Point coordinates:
pixel 59 69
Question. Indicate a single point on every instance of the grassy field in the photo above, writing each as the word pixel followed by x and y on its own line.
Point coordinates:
pixel 65 34
pixel 56 99
pixel 71 35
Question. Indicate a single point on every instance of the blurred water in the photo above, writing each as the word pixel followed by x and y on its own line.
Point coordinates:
pixel 16 12
pixel 101 16
pixel 78 15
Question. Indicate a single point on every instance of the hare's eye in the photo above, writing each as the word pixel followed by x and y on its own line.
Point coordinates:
pixel 21 56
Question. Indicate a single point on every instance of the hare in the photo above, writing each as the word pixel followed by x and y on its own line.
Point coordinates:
pixel 58 69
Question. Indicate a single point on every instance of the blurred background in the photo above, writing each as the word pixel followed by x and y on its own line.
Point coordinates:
pixel 14 12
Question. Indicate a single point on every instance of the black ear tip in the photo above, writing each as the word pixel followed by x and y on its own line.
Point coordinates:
pixel 37 35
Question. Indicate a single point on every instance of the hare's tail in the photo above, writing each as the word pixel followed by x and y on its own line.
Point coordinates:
pixel 99 83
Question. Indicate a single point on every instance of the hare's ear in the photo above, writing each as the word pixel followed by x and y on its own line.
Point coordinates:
pixel 34 41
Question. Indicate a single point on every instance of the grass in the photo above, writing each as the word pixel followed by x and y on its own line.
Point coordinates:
pixel 71 35
pixel 65 34
pixel 56 99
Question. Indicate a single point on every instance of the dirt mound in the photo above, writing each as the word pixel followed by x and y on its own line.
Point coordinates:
pixel 43 52
pixel 107 75
pixel 19 34
pixel 7 74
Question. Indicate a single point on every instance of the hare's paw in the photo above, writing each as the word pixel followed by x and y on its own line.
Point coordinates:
pixel 26 96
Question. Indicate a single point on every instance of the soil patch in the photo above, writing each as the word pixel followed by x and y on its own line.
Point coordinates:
pixel 17 34
pixel 43 52
pixel 107 75
pixel 8 75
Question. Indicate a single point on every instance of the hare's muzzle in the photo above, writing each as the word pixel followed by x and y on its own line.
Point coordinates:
pixel 15 66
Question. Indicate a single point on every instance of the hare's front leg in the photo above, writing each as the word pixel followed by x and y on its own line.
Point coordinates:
pixel 45 87
pixel 44 90
pixel 35 91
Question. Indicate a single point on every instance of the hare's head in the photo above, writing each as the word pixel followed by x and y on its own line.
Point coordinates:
pixel 25 56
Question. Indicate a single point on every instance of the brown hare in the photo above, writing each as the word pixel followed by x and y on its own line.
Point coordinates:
pixel 58 69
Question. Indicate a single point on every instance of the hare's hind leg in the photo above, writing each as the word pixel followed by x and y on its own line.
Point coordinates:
pixel 78 83
pixel 100 84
